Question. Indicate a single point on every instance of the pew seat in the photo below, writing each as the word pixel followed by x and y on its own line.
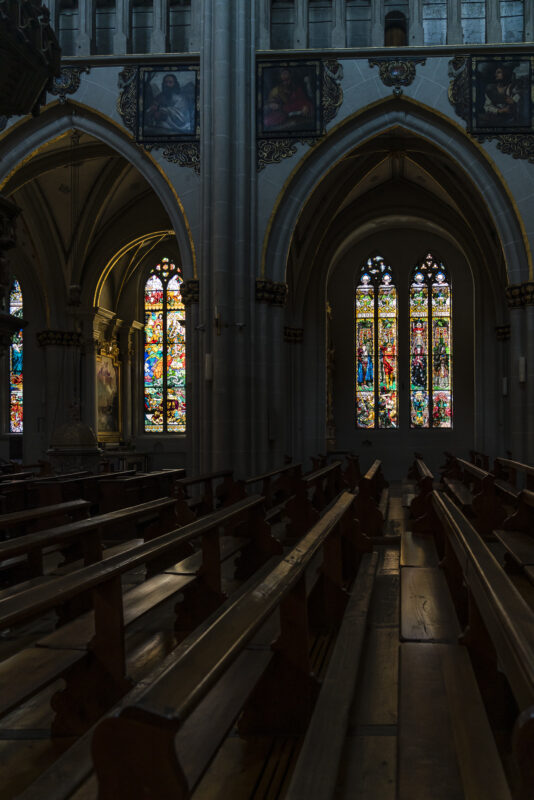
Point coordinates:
pixel 446 747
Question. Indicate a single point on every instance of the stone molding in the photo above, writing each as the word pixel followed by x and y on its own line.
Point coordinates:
pixel 502 332
pixel 272 292
pixel 59 338
pixel 190 292
pixel 527 293
pixel 293 335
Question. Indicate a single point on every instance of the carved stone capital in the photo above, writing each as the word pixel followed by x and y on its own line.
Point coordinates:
pixel 293 335
pixel 59 338
pixel 190 292
pixel 527 293
pixel 502 332
pixel 272 292
pixel 514 295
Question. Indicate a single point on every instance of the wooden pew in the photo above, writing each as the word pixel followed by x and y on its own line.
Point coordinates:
pixel 200 494
pixel 121 492
pixel 425 484
pixel 500 632
pixel 312 493
pixel 276 485
pixel 186 712
pixel 517 536
pixel 25 554
pixel 512 476
pixel 34 519
pixel 479 459
pixel 89 652
pixel 371 502
pixel 473 490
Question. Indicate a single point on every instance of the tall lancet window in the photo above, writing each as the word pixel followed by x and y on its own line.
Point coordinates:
pixel 376 347
pixel 164 379
pixel 430 346
pixel 15 363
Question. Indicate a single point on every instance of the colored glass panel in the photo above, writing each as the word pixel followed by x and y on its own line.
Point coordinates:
pixel 387 349
pixel 165 408
pixel 430 346
pixel 376 347
pixel 15 364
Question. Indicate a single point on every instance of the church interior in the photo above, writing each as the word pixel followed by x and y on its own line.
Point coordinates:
pixel 267 399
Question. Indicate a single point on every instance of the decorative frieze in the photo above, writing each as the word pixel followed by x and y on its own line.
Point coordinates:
pixel 59 338
pixel 527 293
pixel 272 292
pixel 190 292
pixel 293 335
pixel 514 295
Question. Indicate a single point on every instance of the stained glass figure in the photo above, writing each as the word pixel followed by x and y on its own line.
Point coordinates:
pixel 164 370
pixel 376 347
pixel 430 346
pixel 15 363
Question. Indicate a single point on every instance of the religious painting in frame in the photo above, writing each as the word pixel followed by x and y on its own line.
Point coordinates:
pixel 289 102
pixel 108 407
pixel 167 104
pixel 501 94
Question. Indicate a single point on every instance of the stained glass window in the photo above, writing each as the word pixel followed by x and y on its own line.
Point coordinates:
pixel 376 347
pixel 164 350
pixel 430 346
pixel 15 363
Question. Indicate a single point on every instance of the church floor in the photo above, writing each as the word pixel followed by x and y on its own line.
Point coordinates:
pixel 260 767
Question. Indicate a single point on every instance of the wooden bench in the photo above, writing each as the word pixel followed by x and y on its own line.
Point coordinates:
pixel 200 494
pixel 511 477
pixel 371 502
pixel 121 492
pixel 312 493
pixel 473 490
pixel 425 484
pixel 517 536
pixel 89 652
pixel 186 712
pixel 479 459
pixel 499 633
pixel 85 537
pixel 317 768
pixel 34 519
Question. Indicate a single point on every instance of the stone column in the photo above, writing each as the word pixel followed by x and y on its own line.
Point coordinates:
pixel 195 377
pixel 121 38
pixel 263 15
pixel 454 22
pixel 293 337
pixel 493 21
pixel 528 301
pixel 160 24
pixel 86 15
pixel 377 23
pixel 528 11
pixel 194 37
pixel 300 38
pixel 516 390
pixel 339 33
pixel 415 23
pixel 226 264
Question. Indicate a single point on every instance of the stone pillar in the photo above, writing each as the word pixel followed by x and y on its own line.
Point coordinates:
pixel 415 23
pixel 454 22
pixel 127 345
pixel 528 11
pixel 377 23
pixel 339 33
pixel 121 38
pixel 300 39
pixel 293 337
pixel 269 411
pixel 263 15
pixel 493 21
pixel 160 24
pixel 194 37
pixel 226 266
pixel 195 372
pixel 516 389
pixel 528 301
pixel 86 15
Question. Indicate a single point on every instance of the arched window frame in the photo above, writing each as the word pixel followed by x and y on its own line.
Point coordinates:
pixel 376 346
pixel 164 350
pixel 431 359
pixel 16 363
